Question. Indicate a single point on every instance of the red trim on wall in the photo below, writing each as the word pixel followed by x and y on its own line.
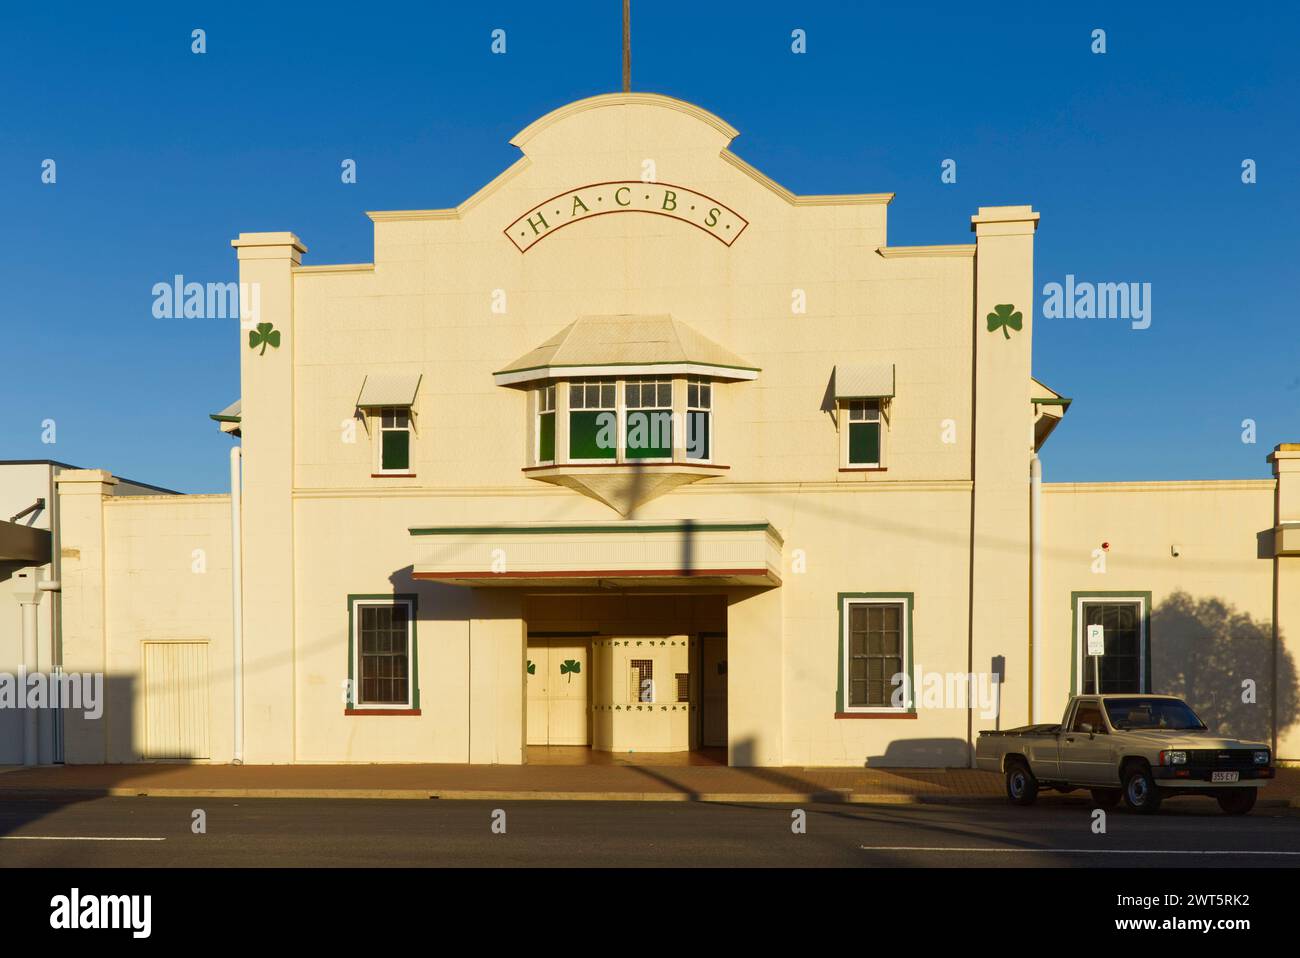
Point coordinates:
pixel 590 574
pixel 381 711
pixel 875 715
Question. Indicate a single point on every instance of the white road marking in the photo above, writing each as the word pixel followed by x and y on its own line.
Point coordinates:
pixel 1069 851
pixel 73 838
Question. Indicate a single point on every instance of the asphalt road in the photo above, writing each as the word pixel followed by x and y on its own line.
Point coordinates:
pixel 310 833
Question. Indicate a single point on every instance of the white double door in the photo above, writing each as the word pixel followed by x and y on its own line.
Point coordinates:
pixel 558 700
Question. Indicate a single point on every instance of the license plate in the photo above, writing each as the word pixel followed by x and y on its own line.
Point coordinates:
pixel 1224 776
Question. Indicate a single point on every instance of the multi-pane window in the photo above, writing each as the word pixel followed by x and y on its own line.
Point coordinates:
pixel 649 433
pixel 683 686
pixel 875 656
pixel 593 419
pixel 699 419
pixel 1122 628
pixel 383 663
pixel 394 439
pixel 864 432
pixel 546 423
pixel 642 679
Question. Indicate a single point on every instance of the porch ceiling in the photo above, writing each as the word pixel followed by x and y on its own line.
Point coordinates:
pixel 603 554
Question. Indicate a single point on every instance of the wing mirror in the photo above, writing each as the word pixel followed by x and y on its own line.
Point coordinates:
pixel 1086 727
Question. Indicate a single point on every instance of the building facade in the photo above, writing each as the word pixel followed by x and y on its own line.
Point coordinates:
pixel 30 601
pixel 637 450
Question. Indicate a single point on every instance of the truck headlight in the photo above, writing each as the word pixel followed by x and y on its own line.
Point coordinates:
pixel 1261 758
pixel 1174 758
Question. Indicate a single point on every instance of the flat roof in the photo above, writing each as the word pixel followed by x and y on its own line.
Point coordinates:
pixel 68 465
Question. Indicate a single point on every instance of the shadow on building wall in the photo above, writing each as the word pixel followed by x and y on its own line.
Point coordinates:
pixel 1204 649
pixel 923 753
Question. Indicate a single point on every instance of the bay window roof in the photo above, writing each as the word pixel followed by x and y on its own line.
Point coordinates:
pixel 626 345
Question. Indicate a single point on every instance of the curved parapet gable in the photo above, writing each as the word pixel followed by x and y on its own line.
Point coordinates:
pixel 522 138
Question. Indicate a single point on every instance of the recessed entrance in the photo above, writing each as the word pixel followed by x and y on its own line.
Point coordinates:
pixel 630 674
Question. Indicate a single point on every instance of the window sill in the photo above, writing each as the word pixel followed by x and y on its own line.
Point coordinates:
pixel 392 475
pixel 659 464
pixel 864 468
pixel 398 711
pixel 875 715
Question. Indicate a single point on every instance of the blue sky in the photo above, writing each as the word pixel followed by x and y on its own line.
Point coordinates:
pixel 1133 158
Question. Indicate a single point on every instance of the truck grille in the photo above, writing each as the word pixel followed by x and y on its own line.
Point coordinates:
pixel 1228 758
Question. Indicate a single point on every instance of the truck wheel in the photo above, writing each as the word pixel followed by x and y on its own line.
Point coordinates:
pixel 1106 797
pixel 1140 791
pixel 1022 787
pixel 1237 801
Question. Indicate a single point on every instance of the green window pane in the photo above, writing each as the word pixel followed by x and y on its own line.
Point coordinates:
pixel 546 437
pixel 396 453
pixel 697 435
pixel 864 443
pixel 649 434
pixel 591 435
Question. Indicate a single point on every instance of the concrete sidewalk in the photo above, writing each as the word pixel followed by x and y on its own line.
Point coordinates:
pixel 618 782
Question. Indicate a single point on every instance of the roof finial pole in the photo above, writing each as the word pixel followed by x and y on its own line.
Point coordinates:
pixel 627 46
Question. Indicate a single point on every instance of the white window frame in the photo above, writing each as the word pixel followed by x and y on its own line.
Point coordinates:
pixel 380 429
pixel 701 383
pixel 848 602
pixel 616 409
pixel 1081 637
pixel 357 606
pixel 546 398
pixel 626 411
pixel 846 445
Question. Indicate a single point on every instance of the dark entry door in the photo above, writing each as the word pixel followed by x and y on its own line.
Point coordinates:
pixel 713 690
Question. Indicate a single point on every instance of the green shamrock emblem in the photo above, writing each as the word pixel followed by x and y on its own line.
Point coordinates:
pixel 532 667
pixel 570 667
pixel 1004 317
pixel 265 335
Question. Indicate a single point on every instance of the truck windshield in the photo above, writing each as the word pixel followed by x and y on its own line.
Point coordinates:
pixel 1138 713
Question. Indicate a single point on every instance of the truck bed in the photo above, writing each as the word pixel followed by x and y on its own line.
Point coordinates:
pixel 1023 731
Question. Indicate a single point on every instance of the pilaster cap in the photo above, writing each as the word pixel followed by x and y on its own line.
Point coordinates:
pixel 1004 221
pixel 1288 452
pixel 85 481
pixel 282 245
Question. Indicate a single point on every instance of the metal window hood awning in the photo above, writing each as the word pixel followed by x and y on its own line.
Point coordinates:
pixel 864 381
pixel 393 389
pixel 602 554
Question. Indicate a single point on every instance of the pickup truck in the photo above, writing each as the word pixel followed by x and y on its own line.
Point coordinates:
pixel 1141 748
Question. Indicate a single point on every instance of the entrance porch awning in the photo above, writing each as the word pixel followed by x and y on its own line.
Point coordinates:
pixel 19 543
pixel 603 554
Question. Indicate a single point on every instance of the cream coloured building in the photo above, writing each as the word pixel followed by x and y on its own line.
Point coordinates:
pixel 637 450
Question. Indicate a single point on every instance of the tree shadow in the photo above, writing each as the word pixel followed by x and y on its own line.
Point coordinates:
pixel 1203 650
